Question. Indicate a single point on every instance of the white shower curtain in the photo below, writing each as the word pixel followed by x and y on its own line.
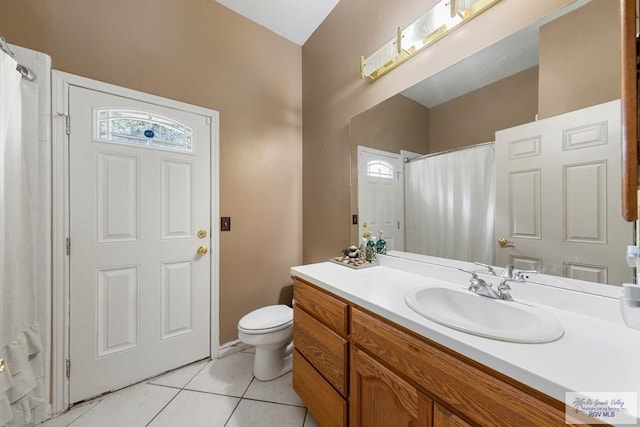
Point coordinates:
pixel 24 252
pixel 450 204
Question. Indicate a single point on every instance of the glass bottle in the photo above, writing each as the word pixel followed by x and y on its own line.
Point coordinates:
pixel 371 249
pixel 381 245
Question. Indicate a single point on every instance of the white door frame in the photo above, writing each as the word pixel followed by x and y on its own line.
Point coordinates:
pixel 60 219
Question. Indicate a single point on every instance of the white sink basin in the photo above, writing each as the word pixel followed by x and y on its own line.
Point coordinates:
pixel 485 317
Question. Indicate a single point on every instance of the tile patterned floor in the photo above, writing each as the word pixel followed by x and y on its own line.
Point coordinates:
pixel 217 393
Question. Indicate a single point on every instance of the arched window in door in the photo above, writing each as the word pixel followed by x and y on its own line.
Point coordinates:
pixel 380 169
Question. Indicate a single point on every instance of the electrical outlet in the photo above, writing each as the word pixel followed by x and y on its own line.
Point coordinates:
pixel 225 223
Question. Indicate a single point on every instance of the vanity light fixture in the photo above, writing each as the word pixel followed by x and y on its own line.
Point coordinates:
pixel 424 31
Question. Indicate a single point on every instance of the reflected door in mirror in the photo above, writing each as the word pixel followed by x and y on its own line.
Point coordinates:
pixel 558 193
pixel 380 196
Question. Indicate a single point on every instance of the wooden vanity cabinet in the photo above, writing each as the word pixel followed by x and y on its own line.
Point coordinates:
pixel 321 353
pixel 463 391
pixel 353 367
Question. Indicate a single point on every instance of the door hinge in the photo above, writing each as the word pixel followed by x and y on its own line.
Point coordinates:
pixel 67 122
pixel 398 225
pixel 68 368
pixel 208 120
pixel 68 245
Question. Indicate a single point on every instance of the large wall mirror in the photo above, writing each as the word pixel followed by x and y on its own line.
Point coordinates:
pixel 506 131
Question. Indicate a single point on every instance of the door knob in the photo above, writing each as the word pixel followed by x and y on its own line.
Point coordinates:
pixel 202 250
pixel 504 243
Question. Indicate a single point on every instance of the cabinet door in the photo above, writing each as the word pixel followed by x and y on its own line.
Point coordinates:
pixel 444 418
pixel 381 398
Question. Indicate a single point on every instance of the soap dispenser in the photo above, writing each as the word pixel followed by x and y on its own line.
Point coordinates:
pixel 371 249
pixel 630 299
pixel 630 305
pixel 363 248
pixel 381 245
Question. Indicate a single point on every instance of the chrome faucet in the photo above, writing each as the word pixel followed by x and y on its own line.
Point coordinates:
pixel 488 267
pixel 480 287
pixel 510 272
pixel 485 289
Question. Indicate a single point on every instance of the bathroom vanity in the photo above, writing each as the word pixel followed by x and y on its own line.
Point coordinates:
pixel 364 358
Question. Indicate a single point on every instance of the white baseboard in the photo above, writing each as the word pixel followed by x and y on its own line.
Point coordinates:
pixel 232 347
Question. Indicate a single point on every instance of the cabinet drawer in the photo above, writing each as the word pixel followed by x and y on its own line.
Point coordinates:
pixel 323 348
pixel 326 405
pixel 327 309
pixel 464 387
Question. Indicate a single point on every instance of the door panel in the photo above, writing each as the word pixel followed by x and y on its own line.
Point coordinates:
pixel 524 193
pixel 117 198
pixel 177 190
pixel 117 310
pixel 139 290
pixel 177 298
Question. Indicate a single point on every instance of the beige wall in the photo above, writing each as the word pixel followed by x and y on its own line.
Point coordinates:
pixel 475 117
pixel 333 92
pixel 580 59
pixel 396 124
pixel 199 52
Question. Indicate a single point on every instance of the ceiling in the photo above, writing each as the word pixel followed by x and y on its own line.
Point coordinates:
pixel 501 60
pixel 294 20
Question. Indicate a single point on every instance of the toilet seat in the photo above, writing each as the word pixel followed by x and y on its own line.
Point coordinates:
pixel 272 318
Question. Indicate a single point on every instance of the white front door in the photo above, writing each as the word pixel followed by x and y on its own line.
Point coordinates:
pixel 140 208
pixel 380 196
pixel 558 196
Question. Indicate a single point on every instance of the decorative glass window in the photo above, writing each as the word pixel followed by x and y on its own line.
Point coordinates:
pixel 380 169
pixel 142 128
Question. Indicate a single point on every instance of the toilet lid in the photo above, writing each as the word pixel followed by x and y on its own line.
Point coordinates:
pixel 268 317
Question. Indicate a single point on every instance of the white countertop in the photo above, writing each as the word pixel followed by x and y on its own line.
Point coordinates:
pixel 594 354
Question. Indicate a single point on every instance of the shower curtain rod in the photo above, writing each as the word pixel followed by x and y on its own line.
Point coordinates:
pixel 425 156
pixel 27 74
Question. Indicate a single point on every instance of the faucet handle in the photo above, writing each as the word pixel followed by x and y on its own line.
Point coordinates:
pixel 488 267
pixel 475 283
pixel 472 273
pixel 504 283
pixel 504 289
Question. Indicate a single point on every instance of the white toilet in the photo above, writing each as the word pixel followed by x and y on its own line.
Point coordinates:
pixel 269 329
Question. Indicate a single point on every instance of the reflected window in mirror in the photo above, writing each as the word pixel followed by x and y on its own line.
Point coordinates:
pixel 380 169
